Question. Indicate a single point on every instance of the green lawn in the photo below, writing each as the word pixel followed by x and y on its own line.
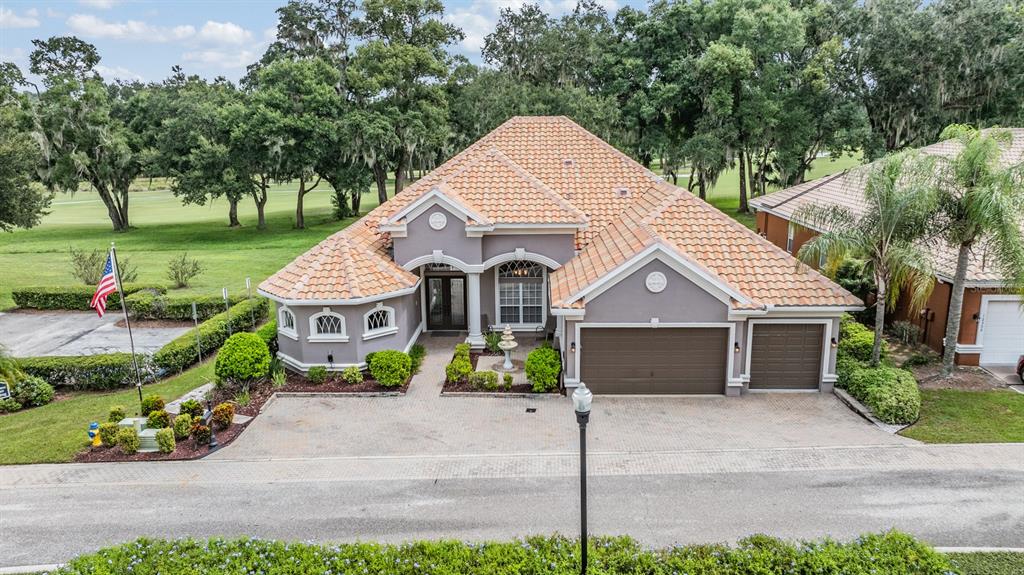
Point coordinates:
pixel 54 433
pixel 1003 563
pixel 955 416
pixel 164 228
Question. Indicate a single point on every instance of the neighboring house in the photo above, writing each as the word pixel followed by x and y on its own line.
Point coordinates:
pixel 542 226
pixel 992 322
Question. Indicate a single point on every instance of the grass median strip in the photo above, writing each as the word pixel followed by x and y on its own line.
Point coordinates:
pixel 958 416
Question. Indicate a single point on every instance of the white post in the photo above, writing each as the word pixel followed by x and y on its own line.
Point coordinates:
pixel 476 336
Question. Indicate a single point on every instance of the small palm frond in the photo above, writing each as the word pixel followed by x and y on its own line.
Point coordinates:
pixel 911 273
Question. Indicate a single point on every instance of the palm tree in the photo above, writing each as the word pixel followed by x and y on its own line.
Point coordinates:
pixel 899 203
pixel 981 202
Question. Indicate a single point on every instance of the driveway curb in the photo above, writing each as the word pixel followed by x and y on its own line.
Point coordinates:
pixel 337 394
pixel 864 412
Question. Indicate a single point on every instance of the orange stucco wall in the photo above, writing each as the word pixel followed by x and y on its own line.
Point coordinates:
pixel 776 230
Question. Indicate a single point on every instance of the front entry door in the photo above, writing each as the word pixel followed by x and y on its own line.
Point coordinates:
pixel 446 302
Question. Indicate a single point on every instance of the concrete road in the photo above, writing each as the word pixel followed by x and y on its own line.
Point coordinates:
pixel 947 497
pixel 29 333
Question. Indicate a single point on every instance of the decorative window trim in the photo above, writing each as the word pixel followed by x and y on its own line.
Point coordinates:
pixel 327 337
pixel 500 324
pixel 391 328
pixel 289 332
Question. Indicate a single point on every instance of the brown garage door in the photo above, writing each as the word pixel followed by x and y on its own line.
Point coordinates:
pixel 786 356
pixel 660 360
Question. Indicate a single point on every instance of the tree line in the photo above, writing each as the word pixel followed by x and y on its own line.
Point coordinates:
pixel 357 94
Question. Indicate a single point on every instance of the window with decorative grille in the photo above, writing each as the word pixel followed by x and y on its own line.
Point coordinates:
pixel 521 293
pixel 380 319
pixel 330 324
pixel 287 320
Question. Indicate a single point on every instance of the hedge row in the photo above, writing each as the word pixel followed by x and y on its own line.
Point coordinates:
pixel 181 353
pixel 150 305
pixel 101 371
pixel 75 297
pixel 891 553
pixel 889 392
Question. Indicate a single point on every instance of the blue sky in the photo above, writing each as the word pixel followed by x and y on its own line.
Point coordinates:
pixel 142 40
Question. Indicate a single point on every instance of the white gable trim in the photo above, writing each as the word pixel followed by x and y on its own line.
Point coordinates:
pixel 439 257
pixel 683 267
pixel 435 197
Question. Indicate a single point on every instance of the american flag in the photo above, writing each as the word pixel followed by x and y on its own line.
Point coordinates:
pixel 107 286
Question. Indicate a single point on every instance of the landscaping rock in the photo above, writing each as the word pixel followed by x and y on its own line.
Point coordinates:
pixel 198 394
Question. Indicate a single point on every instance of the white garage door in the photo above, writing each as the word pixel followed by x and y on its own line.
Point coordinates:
pixel 1002 337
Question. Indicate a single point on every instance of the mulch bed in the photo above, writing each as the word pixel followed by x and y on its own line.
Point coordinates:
pixel 464 386
pixel 155 323
pixel 966 378
pixel 184 449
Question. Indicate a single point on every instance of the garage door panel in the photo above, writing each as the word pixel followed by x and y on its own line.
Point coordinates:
pixel 786 356
pixel 1002 338
pixel 654 360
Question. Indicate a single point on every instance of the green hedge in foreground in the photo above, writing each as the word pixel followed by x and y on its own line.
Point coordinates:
pixel 100 371
pixel 889 554
pixel 181 352
pixel 149 305
pixel 75 297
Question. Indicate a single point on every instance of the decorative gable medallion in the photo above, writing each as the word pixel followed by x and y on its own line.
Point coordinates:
pixel 656 282
pixel 438 221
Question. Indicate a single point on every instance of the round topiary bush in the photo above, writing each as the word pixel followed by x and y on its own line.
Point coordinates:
pixel 108 433
pixel 243 357
pixel 182 425
pixel 158 419
pixel 165 440
pixel 542 368
pixel 32 392
pixel 151 403
pixel 128 440
pixel 223 415
pixel 391 368
pixel 116 414
pixel 458 370
pixel 352 375
pixel 317 374
pixel 897 399
pixel 192 408
pixel 201 434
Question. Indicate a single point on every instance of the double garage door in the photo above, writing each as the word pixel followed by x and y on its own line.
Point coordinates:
pixel 695 360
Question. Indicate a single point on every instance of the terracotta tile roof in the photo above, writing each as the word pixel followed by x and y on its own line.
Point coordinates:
pixel 847 189
pixel 702 235
pixel 550 170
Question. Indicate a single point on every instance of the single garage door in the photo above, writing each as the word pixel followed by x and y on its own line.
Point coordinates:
pixel 786 356
pixel 654 360
pixel 1002 338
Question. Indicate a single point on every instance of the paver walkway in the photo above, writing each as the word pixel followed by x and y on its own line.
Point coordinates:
pixel 423 422
pixel 34 333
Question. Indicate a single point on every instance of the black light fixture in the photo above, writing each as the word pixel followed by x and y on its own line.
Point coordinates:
pixel 976 316
pixel 581 400
pixel 834 343
pixel 736 347
pixel 208 422
pixel 572 347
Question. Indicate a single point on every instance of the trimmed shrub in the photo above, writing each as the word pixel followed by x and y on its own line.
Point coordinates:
pixel 223 415
pixel 891 553
pixel 369 359
pixel 165 440
pixel 75 297
pixel 192 407
pixel 181 352
pixel 182 425
pixel 352 375
pixel 108 433
pixel 317 374
pixel 856 340
pixel 458 370
pixel 487 380
pixel 32 391
pixel 9 405
pixel 542 368
pixel 149 305
pixel 158 419
pixel 391 368
pixel 268 333
pixel 88 372
pixel 243 358
pixel 128 440
pixel 201 434
pixel 416 353
pixel 462 350
pixel 845 367
pixel 508 381
pixel 151 403
pixel 117 413
pixel 896 400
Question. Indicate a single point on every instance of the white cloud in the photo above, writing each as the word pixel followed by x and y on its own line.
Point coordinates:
pixel 474 25
pixel 224 33
pixel 99 4
pixel 117 73
pixel 91 26
pixel 51 13
pixel 9 19
pixel 270 34
pixel 221 59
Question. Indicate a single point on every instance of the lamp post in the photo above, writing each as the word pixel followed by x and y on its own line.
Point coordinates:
pixel 208 420
pixel 581 400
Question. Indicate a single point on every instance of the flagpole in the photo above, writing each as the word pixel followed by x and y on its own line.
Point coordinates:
pixel 127 322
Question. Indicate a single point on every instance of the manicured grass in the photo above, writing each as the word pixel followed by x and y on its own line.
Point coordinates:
pixel 955 416
pixel 165 228
pixel 1003 563
pixel 54 433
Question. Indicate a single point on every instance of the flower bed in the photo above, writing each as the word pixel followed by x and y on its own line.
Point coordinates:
pixel 464 385
pixel 184 449
pixel 891 553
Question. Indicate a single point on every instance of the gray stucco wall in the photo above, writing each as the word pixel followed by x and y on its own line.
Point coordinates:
pixel 559 247
pixel 407 319
pixel 422 240
pixel 681 301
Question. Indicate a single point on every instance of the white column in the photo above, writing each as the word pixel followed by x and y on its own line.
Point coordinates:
pixel 476 337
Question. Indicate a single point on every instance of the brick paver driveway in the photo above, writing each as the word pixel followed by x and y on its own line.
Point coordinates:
pixel 425 423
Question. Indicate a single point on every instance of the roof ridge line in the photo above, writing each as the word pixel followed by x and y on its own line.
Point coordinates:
pixel 539 183
pixel 622 156
pixel 821 183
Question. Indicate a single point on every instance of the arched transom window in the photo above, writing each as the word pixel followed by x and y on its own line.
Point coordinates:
pixel 327 326
pixel 379 321
pixel 286 323
pixel 521 293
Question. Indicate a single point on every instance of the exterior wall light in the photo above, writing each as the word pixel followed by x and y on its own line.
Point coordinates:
pixel 572 347
pixel 736 347
pixel 834 343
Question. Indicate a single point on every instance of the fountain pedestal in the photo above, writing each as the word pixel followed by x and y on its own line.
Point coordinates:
pixel 507 344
